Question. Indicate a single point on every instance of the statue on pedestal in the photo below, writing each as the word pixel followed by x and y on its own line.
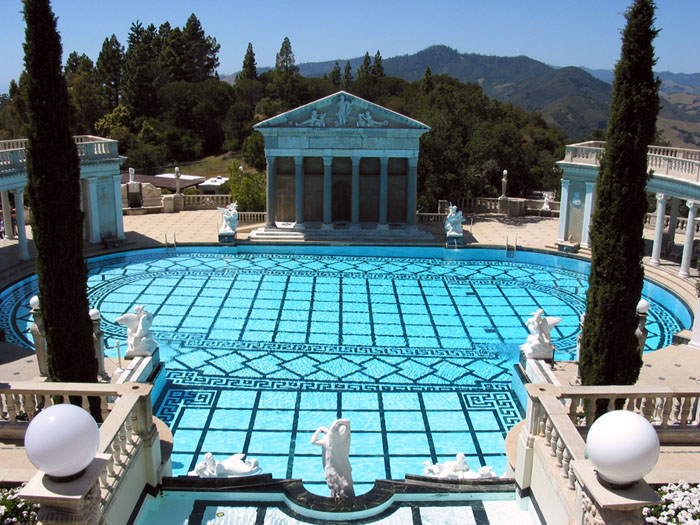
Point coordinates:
pixel 230 218
pixel 232 467
pixel 336 463
pixel 39 336
pixel 453 222
pixel 138 331
pixel 539 343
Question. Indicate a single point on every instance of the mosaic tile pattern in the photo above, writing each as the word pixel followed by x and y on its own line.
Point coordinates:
pixel 262 349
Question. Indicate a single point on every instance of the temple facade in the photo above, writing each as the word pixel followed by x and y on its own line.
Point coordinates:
pixel 341 162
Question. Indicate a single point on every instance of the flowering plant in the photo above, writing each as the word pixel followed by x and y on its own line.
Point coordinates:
pixel 14 509
pixel 680 503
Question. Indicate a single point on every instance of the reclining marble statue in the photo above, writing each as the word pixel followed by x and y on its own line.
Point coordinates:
pixel 539 343
pixel 336 463
pixel 457 469
pixel 138 332
pixel 234 466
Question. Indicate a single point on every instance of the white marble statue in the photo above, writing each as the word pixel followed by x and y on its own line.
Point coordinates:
pixel 344 106
pixel 39 336
pixel 504 184
pixel 132 171
pixel 453 221
pixel 539 343
pixel 365 120
pixel 457 469
pixel 232 467
pixel 230 218
pixel 545 204
pixel 138 332
pixel 336 463
pixel 315 120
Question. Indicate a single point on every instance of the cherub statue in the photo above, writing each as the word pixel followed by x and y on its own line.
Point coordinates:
pixel 230 218
pixel 336 463
pixel 365 120
pixel 315 120
pixel 138 332
pixel 234 466
pixel 453 221
pixel 539 343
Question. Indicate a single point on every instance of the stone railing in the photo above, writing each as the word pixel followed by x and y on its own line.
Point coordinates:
pixel 252 216
pixel 207 202
pixel 90 148
pixel 678 163
pixel 127 423
pixel 558 419
pixel 477 204
pixel 429 218
pixel 650 220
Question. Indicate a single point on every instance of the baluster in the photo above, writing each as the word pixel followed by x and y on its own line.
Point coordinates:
pixel 541 430
pixel 132 426
pixel 11 408
pixel 694 411
pixel 666 412
pixel 29 408
pixel 643 407
pixel 560 452
pixel 553 444
pixel 685 409
pixel 548 432
pixel 566 459
pixel 573 408
pixel 104 408
pixel 115 450
pixel 572 477
pixel 123 439
pixel 590 411
pixel 103 479
pixel 84 403
pixel 611 404
pixel 675 411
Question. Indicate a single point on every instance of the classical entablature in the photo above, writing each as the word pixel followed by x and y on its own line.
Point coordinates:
pixel 341 160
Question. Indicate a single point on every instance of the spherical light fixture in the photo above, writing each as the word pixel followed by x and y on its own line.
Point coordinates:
pixel 34 302
pixel 61 441
pixel 643 307
pixel 623 448
pixel 94 314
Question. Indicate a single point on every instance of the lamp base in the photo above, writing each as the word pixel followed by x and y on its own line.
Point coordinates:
pixel 613 486
pixel 66 479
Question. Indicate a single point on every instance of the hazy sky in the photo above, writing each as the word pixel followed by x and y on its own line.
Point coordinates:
pixel 557 32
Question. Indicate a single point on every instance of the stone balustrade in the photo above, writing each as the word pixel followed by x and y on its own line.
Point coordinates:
pixel 207 202
pixel 126 430
pixel 677 163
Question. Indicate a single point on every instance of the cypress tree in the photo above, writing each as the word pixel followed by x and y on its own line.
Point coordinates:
pixel 57 222
pixel 250 70
pixel 609 353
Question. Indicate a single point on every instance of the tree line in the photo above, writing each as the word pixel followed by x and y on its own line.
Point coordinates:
pixel 161 98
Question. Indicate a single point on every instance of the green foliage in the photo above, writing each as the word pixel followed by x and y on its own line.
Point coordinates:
pixel 115 125
pixel 609 354
pixel 248 189
pixel 250 70
pixel 237 124
pixel 365 68
pixel 286 74
pixel 253 151
pixel 334 75
pixel 347 77
pixel 110 65
pixel 53 185
pixel 193 191
pixel 377 67
pixel 426 83
pixel 85 92
pixel 14 509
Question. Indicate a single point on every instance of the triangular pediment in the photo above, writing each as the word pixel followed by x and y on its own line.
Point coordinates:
pixel 342 110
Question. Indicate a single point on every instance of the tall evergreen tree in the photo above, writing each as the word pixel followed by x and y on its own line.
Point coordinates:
pixel 142 75
pixel 365 68
pixel 347 77
pixel 334 75
pixel 377 67
pixel 426 83
pixel 203 51
pixel 287 72
pixel 609 354
pixel 250 70
pixel 54 190
pixel 110 65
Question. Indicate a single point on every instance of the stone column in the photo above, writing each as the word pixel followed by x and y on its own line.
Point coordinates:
pixel 327 193
pixel 93 214
pixel 355 195
pixel 587 214
pixel 7 214
pixel 689 237
pixel 411 189
pixel 383 192
pixel 672 225
pixel 21 228
pixel 563 211
pixel 299 192
pixel 118 213
pixel 270 192
pixel 659 229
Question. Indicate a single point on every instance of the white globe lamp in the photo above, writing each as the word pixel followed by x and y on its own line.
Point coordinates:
pixel 623 448
pixel 61 441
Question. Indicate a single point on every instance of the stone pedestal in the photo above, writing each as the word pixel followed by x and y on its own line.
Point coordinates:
pixel 133 195
pixel 179 202
pixel 169 203
pixel 454 239
pixel 503 204
pixel 516 207
pixel 75 502
pixel 227 238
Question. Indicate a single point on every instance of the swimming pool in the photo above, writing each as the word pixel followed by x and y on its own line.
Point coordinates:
pixel 415 346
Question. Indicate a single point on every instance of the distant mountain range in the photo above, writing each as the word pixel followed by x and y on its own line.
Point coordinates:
pixel 575 98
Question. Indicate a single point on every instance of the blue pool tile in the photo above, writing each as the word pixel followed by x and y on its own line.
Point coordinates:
pixel 308 468
pixel 388 329
pixel 444 420
pixel 400 401
pixel 196 322
pixel 385 308
pixel 367 469
pixel 360 400
pixel 274 419
pixel 269 443
pixel 355 317
pixel 355 328
pixel 294 315
pixel 290 337
pixel 237 398
pixel 230 419
pixel 360 340
pixel 181 463
pixel 363 420
pixel 407 443
pixel 451 443
pixel 325 316
pixel 366 443
pixel 415 319
pixel 275 465
pixel 194 417
pixel 384 340
pixel 296 305
pixel 325 339
pixel 263 313
pixel 266 304
pixel 256 335
pixel 404 420
pixel 447 321
pixel 226 334
pixel 186 440
pixel 441 401
pixel 355 307
pixel 484 420
pixel 318 400
pixel 324 327
pixel 223 441
pixel 400 466
pixel 278 399
pixel 491 442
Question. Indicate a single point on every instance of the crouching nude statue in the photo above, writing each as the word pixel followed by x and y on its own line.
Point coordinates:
pixel 336 463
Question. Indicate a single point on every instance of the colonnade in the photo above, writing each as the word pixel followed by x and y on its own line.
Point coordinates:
pixel 355 193
pixel 19 214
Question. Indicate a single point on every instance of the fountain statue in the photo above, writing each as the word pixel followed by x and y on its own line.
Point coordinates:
pixel 232 467
pixel 453 221
pixel 138 332
pixel 457 469
pixel 336 463
pixel 539 343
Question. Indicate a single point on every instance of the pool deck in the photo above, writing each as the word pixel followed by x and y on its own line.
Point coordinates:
pixel 486 230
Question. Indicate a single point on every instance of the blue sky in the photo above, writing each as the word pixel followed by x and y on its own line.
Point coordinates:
pixel 557 32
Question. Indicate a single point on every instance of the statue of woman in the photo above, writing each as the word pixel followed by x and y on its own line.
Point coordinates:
pixel 336 463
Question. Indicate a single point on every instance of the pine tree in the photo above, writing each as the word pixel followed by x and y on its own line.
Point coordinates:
pixel 377 67
pixel 287 71
pixel 203 51
pixel 426 83
pixel 142 73
pixel 365 68
pixel 334 75
pixel 110 66
pixel 250 70
pixel 609 354
pixel 54 189
pixel 347 77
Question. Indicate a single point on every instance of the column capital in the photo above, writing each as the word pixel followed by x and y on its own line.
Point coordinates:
pixel 18 191
pixel 298 160
pixel 660 197
pixel 565 183
pixel 270 159
pixel 384 161
pixel 412 162
pixel 328 160
pixel 691 204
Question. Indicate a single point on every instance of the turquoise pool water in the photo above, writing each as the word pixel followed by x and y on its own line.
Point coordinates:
pixel 415 346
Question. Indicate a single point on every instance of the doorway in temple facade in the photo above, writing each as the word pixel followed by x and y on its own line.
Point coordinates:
pixel 341 201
